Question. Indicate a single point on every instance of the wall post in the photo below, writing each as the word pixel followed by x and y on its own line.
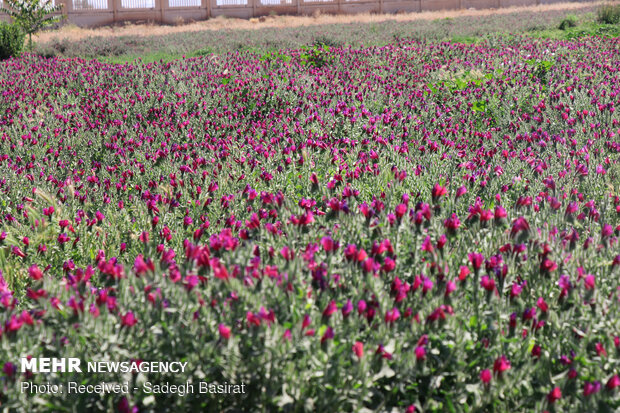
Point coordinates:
pixel 68 7
pixel 206 5
pixel 112 5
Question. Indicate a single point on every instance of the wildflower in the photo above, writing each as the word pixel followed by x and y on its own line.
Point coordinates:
pixel 34 272
pixel 485 376
pixel 613 382
pixel 329 334
pixel 437 192
pixel 358 349
pixel 554 395
pixel 129 319
pixel 330 309
pixel 501 365
pixel 224 331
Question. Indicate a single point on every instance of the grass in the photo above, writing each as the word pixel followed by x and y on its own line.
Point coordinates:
pixel 145 58
pixel 464 29
pixel 588 28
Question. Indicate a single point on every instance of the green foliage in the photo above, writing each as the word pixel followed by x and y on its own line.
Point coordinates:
pixel 541 69
pixel 585 29
pixel 202 52
pixel 609 14
pixel 568 21
pixel 274 56
pixel 324 40
pixel 316 56
pixel 11 40
pixel 32 15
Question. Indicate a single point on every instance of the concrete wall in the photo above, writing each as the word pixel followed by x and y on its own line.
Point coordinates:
pixel 97 14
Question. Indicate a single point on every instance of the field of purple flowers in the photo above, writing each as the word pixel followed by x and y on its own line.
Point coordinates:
pixel 414 227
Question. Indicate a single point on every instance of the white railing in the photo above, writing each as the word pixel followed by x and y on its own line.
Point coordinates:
pixel 138 4
pixel 184 3
pixel 90 4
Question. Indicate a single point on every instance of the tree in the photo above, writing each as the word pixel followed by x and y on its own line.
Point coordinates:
pixel 32 15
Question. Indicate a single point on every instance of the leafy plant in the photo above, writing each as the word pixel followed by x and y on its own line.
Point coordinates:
pixel 32 15
pixel 11 40
pixel 609 13
pixel 568 21
pixel 316 56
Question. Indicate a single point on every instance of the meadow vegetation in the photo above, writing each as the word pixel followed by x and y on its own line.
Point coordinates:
pixel 352 218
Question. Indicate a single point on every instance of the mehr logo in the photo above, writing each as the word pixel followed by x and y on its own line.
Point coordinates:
pixel 51 365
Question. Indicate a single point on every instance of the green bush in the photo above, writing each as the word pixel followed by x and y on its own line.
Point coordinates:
pixel 568 21
pixel 11 40
pixel 609 14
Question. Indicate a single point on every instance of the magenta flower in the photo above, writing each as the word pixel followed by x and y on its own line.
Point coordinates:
pixel 144 237
pixel 485 376
pixel 554 395
pixel 330 309
pixel 16 251
pixel 361 307
pixel 476 260
pixel 499 213
pixel 487 283
pixel 463 273
pixel 501 365
pixel 347 308
pixel 9 369
pixel 613 382
pixel 328 335
pixel 420 353
pixel 392 315
pixel 141 267
pixel 34 272
pixel 287 335
pixel 542 305
pixel 400 211
pixel 437 192
pixel 450 288
pixel 519 225
pixel 48 211
pixel 358 349
pixel 128 320
pixel 329 244
pixel 452 224
pixel 427 245
pixel 591 388
pixel 224 331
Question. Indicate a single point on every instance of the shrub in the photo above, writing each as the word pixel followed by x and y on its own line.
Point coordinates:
pixel 32 15
pixel 316 56
pixel 568 21
pixel 325 40
pixel 609 14
pixel 11 40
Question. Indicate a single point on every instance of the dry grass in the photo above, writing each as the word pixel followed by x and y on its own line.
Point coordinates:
pixel 72 33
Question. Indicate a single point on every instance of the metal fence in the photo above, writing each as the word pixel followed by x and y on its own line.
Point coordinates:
pixel 104 12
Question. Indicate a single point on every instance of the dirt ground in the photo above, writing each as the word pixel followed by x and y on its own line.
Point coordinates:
pixel 75 33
